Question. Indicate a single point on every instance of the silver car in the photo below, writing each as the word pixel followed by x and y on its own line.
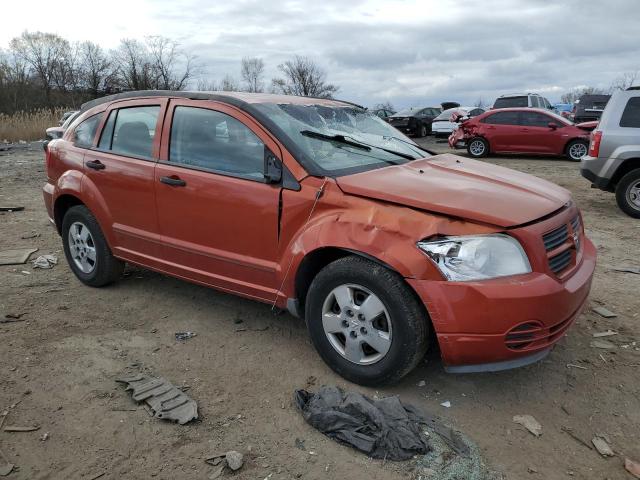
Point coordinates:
pixel 613 160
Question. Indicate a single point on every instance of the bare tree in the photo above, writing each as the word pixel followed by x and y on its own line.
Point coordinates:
pixel 94 67
pixel 205 85
pixel 626 80
pixel 480 103
pixel 303 77
pixel 44 53
pixel 132 65
pixel 574 94
pixel 229 84
pixel 384 106
pixel 252 71
pixel 172 68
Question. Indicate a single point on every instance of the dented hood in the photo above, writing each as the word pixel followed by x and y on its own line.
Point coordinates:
pixel 461 187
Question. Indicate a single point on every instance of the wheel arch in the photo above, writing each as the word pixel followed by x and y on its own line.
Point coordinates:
pixel 625 167
pixel 62 204
pixel 565 150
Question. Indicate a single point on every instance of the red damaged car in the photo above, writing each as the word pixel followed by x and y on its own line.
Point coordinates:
pixel 320 207
pixel 522 130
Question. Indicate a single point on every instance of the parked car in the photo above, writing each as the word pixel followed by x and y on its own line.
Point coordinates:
pixel 443 125
pixel 589 107
pixel 65 116
pixel 613 161
pixel 522 100
pixel 565 110
pixel 56 132
pixel 415 121
pixel 383 113
pixel 522 130
pixel 320 207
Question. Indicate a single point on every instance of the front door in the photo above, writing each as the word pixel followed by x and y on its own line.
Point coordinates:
pixel 218 216
pixel 121 169
pixel 501 129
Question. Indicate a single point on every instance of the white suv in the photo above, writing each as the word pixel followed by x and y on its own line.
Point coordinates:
pixel 520 100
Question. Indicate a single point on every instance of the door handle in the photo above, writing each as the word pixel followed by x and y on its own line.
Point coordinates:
pixel 524 129
pixel 95 165
pixel 174 181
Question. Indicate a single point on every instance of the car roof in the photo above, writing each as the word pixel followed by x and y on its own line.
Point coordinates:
pixel 507 95
pixel 235 98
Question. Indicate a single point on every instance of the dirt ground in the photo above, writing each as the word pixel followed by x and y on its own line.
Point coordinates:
pixel 58 368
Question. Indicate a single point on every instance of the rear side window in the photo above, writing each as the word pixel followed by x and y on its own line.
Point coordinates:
pixel 502 118
pixel 631 114
pixel 534 119
pixel 508 102
pixel 86 131
pixel 535 102
pixel 215 141
pixel 130 131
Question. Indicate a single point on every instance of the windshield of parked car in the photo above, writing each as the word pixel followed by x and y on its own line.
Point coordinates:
pixel 407 112
pixel 508 102
pixel 558 118
pixel 70 119
pixel 333 137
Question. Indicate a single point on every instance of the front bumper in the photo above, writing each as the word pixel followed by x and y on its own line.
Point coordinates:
pixel 474 321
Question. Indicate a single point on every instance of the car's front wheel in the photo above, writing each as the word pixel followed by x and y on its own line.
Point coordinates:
pixel 577 149
pixel 86 249
pixel 628 193
pixel 478 147
pixel 365 321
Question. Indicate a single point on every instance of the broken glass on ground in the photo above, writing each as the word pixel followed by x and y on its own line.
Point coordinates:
pixel 165 400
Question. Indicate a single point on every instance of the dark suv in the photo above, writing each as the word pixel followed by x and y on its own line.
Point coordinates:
pixel 415 121
pixel 589 108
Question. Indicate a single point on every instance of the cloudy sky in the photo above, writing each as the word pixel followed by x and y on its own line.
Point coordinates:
pixel 408 52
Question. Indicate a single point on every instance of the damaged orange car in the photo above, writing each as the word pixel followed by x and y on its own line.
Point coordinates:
pixel 320 207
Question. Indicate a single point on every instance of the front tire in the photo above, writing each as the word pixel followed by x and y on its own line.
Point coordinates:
pixel 628 193
pixel 86 249
pixel 478 147
pixel 365 321
pixel 576 149
pixel 422 131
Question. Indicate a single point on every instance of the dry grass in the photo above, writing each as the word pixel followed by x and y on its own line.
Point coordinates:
pixel 28 125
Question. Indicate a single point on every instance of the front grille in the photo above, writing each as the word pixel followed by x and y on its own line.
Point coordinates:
pixel 562 245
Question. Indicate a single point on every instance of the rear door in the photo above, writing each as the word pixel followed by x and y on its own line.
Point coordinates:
pixel 501 129
pixel 218 216
pixel 121 168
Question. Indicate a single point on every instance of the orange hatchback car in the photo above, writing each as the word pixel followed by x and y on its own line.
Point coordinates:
pixel 320 207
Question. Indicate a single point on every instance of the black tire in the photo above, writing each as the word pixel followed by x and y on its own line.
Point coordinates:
pixel 409 321
pixel 106 268
pixel 422 131
pixel 474 150
pixel 569 151
pixel 625 193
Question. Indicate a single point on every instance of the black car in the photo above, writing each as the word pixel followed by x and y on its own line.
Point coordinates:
pixel 415 121
pixel 383 113
pixel 589 107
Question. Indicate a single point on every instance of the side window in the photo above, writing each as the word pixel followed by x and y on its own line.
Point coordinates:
pixel 534 119
pixel 215 141
pixel 631 114
pixel 535 102
pixel 131 131
pixel 86 131
pixel 502 118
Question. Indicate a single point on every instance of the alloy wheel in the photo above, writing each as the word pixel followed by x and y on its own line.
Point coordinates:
pixel 477 148
pixel 357 324
pixel 82 247
pixel 577 151
pixel 633 194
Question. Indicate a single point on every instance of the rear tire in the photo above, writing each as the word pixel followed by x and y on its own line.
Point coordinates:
pixel 628 193
pixel 342 325
pixel 478 147
pixel 576 149
pixel 423 132
pixel 86 249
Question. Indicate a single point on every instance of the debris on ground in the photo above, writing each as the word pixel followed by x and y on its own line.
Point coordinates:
pixel 16 256
pixel 604 344
pixel 44 437
pixel 11 209
pixel 5 467
pixel 20 428
pixel 607 333
pixel 45 261
pixel 12 318
pixel 299 443
pixel 446 404
pixel 603 312
pixel 530 423
pixel 232 460
pixel 165 400
pixel 602 446
pixel 27 236
pixel 185 335
pixel 632 467
pixel 573 435
pixel 422 383
pixel 635 270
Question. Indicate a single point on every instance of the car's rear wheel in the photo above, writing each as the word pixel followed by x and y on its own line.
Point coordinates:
pixel 577 149
pixel 423 131
pixel 628 193
pixel 86 249
pixel 478 147
pixel 365 321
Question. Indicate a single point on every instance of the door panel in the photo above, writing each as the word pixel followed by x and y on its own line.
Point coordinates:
pixel 218 227
pixel 535 134
pixel 502 129
pixel 126 181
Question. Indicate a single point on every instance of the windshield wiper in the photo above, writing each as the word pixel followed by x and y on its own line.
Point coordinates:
pixel 335 138
pixel 388 150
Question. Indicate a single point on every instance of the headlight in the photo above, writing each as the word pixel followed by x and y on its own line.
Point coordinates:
pixel 477 258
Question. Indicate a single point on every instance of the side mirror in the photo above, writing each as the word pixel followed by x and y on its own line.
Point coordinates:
pixel 272 167
pixel 552 126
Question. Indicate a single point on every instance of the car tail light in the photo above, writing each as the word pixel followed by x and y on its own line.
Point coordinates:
pixel 594 146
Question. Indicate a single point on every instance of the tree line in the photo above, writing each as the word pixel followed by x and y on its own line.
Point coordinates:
pixel 44 70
